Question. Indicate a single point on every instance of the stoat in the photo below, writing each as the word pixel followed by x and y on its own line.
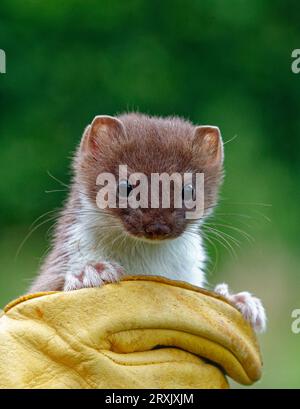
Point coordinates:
pixel 95 245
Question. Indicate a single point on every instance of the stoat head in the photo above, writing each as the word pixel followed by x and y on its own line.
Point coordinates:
pixel 149 145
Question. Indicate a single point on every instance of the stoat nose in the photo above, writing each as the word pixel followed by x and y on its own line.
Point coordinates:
pixel 157 230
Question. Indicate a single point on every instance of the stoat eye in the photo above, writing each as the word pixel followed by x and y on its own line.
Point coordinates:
pixel 188 192
pixel 124 188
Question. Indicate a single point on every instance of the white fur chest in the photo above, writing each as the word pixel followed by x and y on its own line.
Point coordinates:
pixel 179 259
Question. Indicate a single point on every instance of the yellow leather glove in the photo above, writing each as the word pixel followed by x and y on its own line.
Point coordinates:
pixel 144 332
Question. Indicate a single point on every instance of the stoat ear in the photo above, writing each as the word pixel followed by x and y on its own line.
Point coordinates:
pixel 208 142
pixel 101 131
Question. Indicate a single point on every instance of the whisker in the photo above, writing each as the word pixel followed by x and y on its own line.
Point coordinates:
pixel 246 203
pixel 30 233
pixel 246 235
pixel 264 216
pixel 56 190
pixel 234 240
pixel 216 258
pixel 231 140
pixel 223 240
pixel 57 180
pixel 40 217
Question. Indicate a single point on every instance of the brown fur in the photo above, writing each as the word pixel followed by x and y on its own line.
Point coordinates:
pixel 151 145
pixel 145 144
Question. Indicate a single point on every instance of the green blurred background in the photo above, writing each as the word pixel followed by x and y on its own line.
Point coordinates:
pixel 226 63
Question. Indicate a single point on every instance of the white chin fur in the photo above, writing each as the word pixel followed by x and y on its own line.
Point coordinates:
pixel 97 236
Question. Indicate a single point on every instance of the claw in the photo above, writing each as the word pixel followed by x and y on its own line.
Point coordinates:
pixel 94 276
pixel 250 306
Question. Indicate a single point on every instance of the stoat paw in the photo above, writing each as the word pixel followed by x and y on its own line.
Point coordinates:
pixel 94 276
pixel 250 307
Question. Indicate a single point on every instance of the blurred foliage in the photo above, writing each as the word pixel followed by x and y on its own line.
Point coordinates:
pixel 224 63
